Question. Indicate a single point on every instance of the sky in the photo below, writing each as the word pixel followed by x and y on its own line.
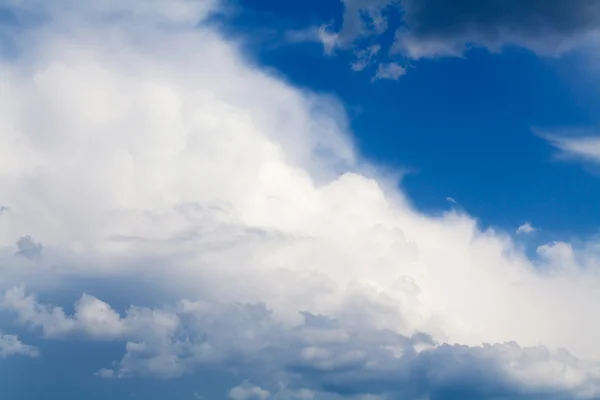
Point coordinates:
pixel 299 200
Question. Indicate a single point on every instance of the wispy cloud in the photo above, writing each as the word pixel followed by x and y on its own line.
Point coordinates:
pixel 365 57
pixel 584 148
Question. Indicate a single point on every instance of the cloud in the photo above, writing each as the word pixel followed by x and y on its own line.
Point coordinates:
pixel 525 228
pixel 313 34
pixel 584 148
pixel 363 18
pixel 436 29
pixel 10 345
pixel 28 248
pixel 160 155
pixel 328 355
pixel 247 391
pixel 365 57
pixel 391 71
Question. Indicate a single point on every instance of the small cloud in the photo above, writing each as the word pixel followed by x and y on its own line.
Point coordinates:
pixel 10 345
pixel 105 373
pixel 451 200
pixel 247 391
pixel 391 71
pixel 525 228
pixel 28 248
pixel 3 209
pixel 313 34
pixel 329 40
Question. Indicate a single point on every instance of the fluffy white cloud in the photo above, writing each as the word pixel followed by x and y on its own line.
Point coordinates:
pixel 10 345
pixel 147 148
pixel 525 228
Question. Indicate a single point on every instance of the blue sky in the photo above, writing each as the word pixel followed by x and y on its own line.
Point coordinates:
pixel 269 200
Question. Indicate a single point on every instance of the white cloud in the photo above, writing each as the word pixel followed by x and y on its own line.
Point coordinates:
pixel 10 345
pixel 160 152
pixel 583 148
pixel 247 391
pixel 391 71
pixel 525 228
pixel 313 34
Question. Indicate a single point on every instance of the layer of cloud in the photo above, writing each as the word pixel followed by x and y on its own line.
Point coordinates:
pixel 158 153
pixel 327 355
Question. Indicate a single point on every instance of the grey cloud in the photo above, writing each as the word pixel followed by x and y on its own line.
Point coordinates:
pixel 363 17
pixel 438 26
pixel 321 354
pixel 28 248
pixel 446 28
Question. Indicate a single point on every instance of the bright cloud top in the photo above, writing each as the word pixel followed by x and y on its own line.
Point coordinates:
pixel 143 146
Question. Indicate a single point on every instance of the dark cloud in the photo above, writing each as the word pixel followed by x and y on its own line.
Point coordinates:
pixel 28 248
pixel 448 372
pixel 444 26
pixel 448 27
pixel 332 357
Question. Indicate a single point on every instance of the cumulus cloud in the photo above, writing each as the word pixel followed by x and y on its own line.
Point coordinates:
pixel 158 153
pixel 325 354
pixel 10 345
pixel 525 228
